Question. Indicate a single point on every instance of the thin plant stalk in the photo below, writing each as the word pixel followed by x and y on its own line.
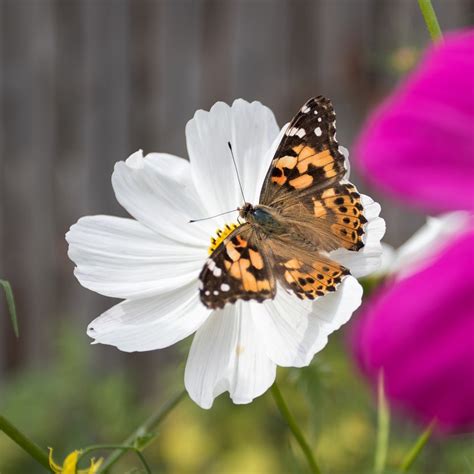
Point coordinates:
pixel 416 449
pixel 99 447
pixel 30 447
pixel 295 429
pixel 144 429
pixel 431 19
pixel 383 428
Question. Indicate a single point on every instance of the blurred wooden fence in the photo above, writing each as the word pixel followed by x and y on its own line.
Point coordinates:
pixel 86 82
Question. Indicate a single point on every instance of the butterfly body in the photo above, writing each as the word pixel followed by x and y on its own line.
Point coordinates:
pixel 263 218
pixel 306 209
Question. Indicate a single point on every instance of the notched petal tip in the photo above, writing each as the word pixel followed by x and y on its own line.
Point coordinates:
pixel 135 160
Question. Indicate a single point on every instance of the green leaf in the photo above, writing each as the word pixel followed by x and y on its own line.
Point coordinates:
pixel 11 305
pixel 142 440
pixel 417 448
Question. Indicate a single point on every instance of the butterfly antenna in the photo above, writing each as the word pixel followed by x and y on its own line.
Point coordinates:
pixel 237 171
pixel 212 217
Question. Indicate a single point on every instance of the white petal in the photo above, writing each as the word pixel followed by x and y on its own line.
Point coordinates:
pixel 150 323
pixel 368 259
pixel 293 331
pixel 226 355
pixel 122 258
pixel 158 191
pixel 345 153
pixel 251 129
pixel 387 260
pixel 427 241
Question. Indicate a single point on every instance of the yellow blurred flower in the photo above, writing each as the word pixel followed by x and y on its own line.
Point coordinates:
pixel 404 59
pixel 70 464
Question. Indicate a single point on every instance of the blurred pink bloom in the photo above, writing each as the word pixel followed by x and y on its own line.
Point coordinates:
pixel 419 328
pixel 418 145
pixel 420 331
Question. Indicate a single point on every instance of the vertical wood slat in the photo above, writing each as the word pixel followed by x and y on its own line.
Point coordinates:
pixel 4 320
pixel 105 122
pixel 29 147
pixel 260 52
pixel 177 71
pixel 72 174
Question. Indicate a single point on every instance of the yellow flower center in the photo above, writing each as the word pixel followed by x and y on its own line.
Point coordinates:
pixel 221 235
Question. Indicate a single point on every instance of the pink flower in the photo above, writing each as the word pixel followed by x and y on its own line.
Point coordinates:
pixel 420 332
pixel 419 329
pixel 418 145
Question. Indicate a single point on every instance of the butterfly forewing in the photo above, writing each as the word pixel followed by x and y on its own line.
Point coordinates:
pixel 306 182
pixel 308 156
pixel 237 269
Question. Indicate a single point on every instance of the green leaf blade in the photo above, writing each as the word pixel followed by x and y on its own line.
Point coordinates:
pixel 7 288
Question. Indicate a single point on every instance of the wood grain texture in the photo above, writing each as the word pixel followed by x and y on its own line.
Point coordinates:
pixel 85 83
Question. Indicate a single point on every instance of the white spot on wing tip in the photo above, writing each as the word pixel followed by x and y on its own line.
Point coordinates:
pixel 318 132
pixel 299 132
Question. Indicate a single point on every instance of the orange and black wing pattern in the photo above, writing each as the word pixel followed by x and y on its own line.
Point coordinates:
pixel 306 182
pixel 308 157
pixel 309 275
pixel 236 269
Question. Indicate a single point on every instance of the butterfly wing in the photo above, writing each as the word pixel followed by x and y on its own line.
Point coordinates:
pixel 306 182
pixel 307 274
pixel 237 269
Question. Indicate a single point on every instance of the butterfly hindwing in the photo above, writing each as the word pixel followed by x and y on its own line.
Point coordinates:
pixel 332 217
pixel 236 269
pixel 309 275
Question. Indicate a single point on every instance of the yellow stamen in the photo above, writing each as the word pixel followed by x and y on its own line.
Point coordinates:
pixel 222 234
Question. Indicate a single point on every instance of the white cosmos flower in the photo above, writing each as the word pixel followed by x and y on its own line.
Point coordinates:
pixel 153 261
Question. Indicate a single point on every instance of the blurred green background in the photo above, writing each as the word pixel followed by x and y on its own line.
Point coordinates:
pixel 83 84
pixel 68 406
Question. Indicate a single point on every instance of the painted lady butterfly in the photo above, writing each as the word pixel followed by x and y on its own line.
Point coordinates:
pixel 306 209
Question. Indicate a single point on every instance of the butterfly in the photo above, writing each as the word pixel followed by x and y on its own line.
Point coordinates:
pixel 306 209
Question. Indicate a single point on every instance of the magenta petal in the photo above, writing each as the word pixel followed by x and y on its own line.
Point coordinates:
pixel 419 144
pixel 420 331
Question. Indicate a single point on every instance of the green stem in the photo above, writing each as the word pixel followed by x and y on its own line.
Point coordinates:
pixel 285 413
pixel 383 428
pixel 98 447
pixel 24 442
pixel 431 20
pixel 145 428
pixel 417 447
